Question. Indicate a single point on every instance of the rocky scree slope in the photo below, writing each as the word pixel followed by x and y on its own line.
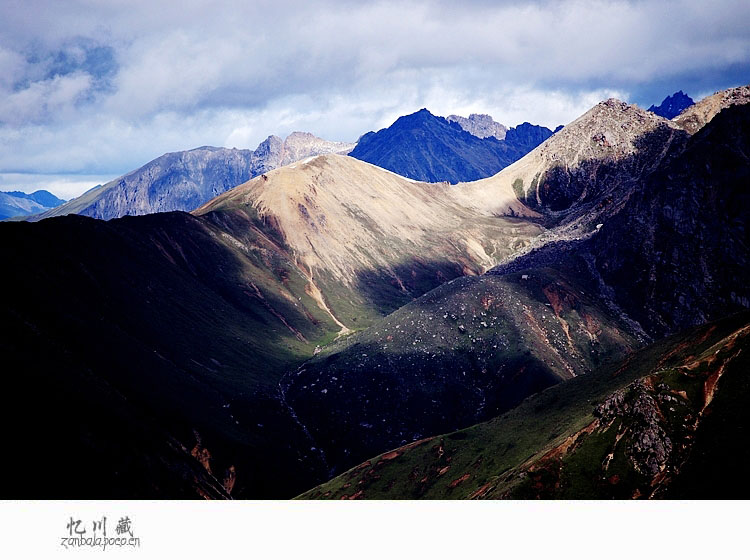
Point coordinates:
pixel 464 352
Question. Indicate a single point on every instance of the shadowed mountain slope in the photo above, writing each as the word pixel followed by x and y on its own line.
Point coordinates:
pixel 676 253
pixel 696 116
pixel 156 349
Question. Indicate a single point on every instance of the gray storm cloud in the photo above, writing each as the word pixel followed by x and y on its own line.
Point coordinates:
pixel 103 87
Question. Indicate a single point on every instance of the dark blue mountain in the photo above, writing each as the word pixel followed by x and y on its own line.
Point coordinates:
pixel 527 136
pixel 672 105
pixel 428 148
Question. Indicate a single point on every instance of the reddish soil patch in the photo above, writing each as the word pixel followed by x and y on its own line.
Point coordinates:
pixel 417 443
pixel 391 455
pixel 480 492
pixel 458 481
pixel 559 298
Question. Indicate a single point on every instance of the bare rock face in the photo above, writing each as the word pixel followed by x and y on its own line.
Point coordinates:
pixel 300 145
pixel 649 447
pixel 186 180
pixel 482 126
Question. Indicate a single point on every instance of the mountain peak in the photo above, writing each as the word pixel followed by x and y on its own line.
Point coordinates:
pixel 422 114
pixel 480 125
pixel 672 105
pixel 696 116
pixel 430 148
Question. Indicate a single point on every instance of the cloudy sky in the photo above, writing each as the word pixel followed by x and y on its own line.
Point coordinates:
pixel 92 89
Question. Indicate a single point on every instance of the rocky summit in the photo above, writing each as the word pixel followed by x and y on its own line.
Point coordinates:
pixel 481 126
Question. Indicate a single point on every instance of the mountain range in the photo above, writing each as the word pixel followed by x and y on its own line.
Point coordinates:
pixel 185 180
pixel 573 325
pixel 428 148
pixel 16 203
pixel 610 289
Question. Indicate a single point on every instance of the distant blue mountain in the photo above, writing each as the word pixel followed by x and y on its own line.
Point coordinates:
pixel 425 147
pixel 45 198
pixel 17 203
pixel 672 105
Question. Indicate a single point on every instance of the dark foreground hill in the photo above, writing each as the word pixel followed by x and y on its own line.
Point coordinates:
pixel 670 421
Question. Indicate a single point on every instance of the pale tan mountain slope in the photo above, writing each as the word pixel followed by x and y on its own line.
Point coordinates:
pixel 696 116
pixel 343 216
pixel 583 174
pixel 609 132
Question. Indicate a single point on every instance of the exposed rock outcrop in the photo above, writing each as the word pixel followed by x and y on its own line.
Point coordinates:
pixel 481 126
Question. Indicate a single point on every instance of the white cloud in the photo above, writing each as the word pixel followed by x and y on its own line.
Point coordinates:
pixel 199 72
